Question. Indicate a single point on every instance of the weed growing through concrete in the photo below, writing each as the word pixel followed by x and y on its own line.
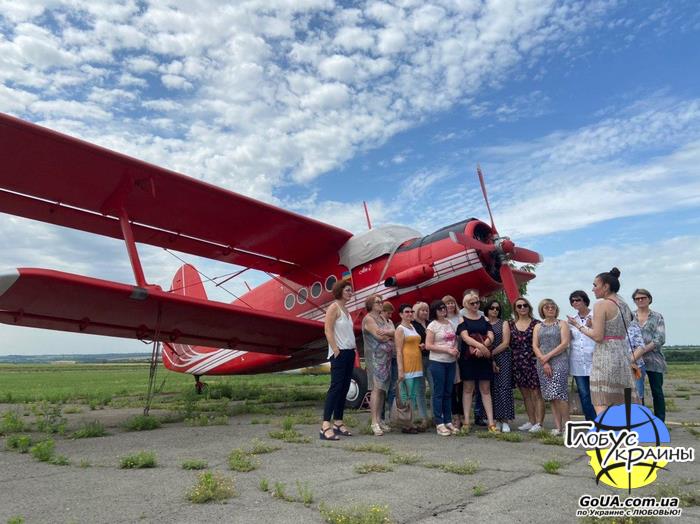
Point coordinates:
pixel 369 448
pixel 280 492
pixel 259 447
pixel 306 496
pixel 264 485
pixel 142 459
pixel 194 464
pixel 70 410
pixel 364 469
pixel 373 514
pixel 239 460
pixel 687 497
pixel 15 520
pixel 44 450
pixel 552 467
pixel 405 458
pixel 551 440
pixel 59 460
pixel 84 464
pixel 90 430
pixel 50 419
pixel 260 421
pixel 468 467
pixel 11 422
pixel 479 490
pixel 20 443
pixel 288 433
pixel 211 487
pixel 141 423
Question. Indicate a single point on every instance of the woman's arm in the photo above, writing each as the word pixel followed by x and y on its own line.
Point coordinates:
pixel 398 340
pixel 536 344
pixel 431 345
pixel 658 336
pixel 370 325
pixel 597 331
pixel 329 327
pixel 505 342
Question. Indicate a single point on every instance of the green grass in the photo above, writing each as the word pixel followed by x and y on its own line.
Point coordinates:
pixel 552 467
pixel 280 492
pixel 468 467
pixel 364 469
pixel 142 459
pixel 305 495
pixel 405 458
pixel 20 443
pixel 207 420
pixel 368 448
pixel 211 487
pixel 264 485
pixel 479 490
pixel 361 514
pixel 687 492
pixel 43 451
pixel 239 460
pixel 15 520
pixel 258 447
pixel 194 464
pixel 11 422
pixel 90 430
pixel 141 423
pixel 97 384
pixel 506 437
pixel 289 435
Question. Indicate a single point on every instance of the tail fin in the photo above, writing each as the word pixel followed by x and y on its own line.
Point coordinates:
pixel 187 282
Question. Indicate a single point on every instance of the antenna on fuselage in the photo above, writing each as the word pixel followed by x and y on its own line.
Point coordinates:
pixel 369 223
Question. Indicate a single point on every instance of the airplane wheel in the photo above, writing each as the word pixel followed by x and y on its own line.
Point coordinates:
pixel 358 389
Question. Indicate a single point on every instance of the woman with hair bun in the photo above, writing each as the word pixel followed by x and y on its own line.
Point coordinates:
pixel 611 369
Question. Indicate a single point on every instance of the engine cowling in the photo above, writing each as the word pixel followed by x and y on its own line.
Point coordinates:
pixel 411 276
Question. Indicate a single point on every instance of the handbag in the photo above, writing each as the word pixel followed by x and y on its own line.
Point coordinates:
pixel 472 352
pixel 401 414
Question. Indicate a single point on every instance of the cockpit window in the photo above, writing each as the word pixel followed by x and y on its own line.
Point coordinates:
pixel 440 234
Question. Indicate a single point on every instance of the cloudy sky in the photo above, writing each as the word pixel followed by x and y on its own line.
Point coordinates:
pixel 585 116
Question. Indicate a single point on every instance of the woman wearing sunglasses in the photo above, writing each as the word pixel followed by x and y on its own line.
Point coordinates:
pixel 581 355
pixel 440 340
pixel 475 366
pixel 409 361
pixel 550 342
pixel 654 334
pixel 502 383
pixel 524 367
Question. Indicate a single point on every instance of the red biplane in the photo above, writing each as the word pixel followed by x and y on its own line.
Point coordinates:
pixel 276 326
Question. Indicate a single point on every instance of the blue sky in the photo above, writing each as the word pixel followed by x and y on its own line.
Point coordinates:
pixel 585 117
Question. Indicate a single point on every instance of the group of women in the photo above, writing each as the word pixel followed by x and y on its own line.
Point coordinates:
pixel 463 352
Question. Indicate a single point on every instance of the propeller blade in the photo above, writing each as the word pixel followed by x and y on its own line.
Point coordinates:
pixel 486 198
pixel 510 286
pixel 528 256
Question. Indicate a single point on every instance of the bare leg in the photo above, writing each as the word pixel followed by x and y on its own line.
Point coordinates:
pixel 485 390
pixel 529 406
pixel 539 405
pixel 376 401
pixel 467 393
pixel 599 409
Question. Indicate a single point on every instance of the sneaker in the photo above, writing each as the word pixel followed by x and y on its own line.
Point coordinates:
pixel 453 430
pixel 555 432
pixel 525 427
pixel 505 428
pixel 443 431
pixel 535 428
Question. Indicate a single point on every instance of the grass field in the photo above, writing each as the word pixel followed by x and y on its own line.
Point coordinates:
pixel 103 382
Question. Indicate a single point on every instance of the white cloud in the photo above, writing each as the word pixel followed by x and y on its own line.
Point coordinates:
pixel 664 267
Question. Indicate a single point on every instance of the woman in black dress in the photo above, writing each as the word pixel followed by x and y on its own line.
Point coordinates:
pixel 476 339
pixel 502 383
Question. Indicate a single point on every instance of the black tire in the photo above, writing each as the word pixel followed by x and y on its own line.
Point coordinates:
pixel 358 389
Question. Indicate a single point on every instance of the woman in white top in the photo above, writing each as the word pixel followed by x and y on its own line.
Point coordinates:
pixel 582 347
pixel 440 340
pixel 341 353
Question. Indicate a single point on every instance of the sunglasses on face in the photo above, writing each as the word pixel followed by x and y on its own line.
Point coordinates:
pixel 574 300
pixel 442 307
pixel 549 306
pixel 408 312
pixel 473 303
pixel 494 308
pixel 638 299
pixel 522 306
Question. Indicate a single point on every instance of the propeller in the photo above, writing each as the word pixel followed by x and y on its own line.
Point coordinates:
pixel 501 248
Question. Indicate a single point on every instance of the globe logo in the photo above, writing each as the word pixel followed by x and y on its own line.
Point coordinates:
pixel 650 430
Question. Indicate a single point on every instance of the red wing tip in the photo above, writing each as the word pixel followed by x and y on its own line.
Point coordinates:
pixel 7 279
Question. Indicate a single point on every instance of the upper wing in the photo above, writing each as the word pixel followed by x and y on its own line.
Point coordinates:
pixel 58 179
pixel 65 302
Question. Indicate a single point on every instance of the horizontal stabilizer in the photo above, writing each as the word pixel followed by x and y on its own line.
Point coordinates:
pixel 49 299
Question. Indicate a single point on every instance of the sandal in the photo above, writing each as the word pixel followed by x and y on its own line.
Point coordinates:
pixel 323 436
pixel 377 430
pixel 341 430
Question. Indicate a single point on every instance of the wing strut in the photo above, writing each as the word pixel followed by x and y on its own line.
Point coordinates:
pixel 131 248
